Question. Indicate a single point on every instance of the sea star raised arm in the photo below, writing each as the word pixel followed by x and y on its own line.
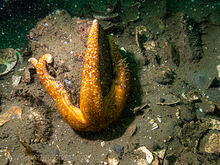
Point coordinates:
pixel 95 112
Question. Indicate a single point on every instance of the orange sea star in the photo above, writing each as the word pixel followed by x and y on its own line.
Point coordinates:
pixel 95 112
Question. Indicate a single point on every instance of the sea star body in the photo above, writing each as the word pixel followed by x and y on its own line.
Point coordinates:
pixel 95 112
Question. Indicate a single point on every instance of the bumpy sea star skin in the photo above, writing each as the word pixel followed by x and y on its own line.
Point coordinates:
pixel 95 112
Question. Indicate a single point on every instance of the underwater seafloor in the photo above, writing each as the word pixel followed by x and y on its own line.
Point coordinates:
pixel 172 113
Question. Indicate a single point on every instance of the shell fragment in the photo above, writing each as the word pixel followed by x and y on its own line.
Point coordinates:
pixel 218 69
pixel 8 59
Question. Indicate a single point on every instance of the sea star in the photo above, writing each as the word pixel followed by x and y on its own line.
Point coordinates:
pixel 95 112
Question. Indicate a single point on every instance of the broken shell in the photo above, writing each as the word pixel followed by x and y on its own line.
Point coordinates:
pixel 218 69
pixel 8 59
pixel 138 109
pixel 214 124
pixel 149 45
pixel 149 155
pixel 155 126
pixel 169 100
pixel 193 96
pixel 7 115
pixel 123 49
pixel 19 57
pixel 133 129
pixel 213 144
pixel 15 80
pixel 151 121
pixel 7 155
pixel 215 83
pixel 159 118
pixel 178 114
pixel 108 16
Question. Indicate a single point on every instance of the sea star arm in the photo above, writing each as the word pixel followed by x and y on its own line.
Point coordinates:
pixel 70 113
pixel 91 101
pixel 115 101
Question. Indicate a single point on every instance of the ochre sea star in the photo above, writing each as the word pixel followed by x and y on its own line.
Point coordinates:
pixel 95 112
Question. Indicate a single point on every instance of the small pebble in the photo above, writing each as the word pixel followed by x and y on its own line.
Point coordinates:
pixel 119 149
pixel 162 100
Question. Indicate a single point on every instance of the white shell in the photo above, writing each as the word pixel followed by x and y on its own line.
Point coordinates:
pixel 218 69
pixel 159 118
pixel 155 126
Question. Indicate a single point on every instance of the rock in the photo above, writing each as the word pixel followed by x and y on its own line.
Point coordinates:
pixel 119 149
pixel 26 77
pixel 161 153
pixel 162 100
pixel 156 161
